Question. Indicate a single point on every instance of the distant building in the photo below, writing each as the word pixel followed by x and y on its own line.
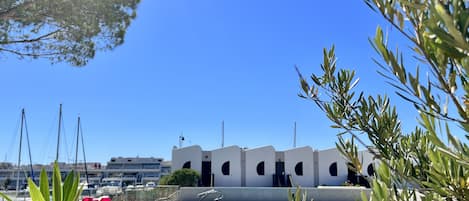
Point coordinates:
pixel 265 167
pixel 134 170
pixel 9 173
pixel 126 170
pixel 4 165
pixel 165 168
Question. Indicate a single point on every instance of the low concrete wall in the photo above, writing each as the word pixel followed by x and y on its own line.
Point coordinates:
pixel 273 194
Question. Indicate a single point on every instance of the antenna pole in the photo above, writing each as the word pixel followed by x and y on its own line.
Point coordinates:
pixel 294 135
pixel 58 135
pixel 222 133
pixel 181 138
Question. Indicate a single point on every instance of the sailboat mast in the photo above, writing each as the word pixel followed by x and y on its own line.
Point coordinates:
pixel 19 154
pixel 76 149
pixel 29 146
pixel 84 156
pixel 58 135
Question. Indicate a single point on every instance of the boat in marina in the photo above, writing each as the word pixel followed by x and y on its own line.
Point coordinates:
pixel 101 198
pixel 110 187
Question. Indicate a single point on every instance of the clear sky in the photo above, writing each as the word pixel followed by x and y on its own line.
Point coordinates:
pixel 184 67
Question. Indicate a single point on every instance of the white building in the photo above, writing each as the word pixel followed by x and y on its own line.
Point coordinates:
pixel 259 166
pixel 226 166
pixel 299 165
pixel 265 167
pixel 332 167
pixel 368 163
pixel 188 157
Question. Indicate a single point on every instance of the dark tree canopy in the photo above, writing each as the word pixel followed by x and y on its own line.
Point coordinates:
pixel 63 30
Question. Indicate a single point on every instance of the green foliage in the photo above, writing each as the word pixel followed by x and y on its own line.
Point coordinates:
pixel 181 177
pixel 298 195
pixel 164 180
pixel 70 31
pixel 68 191
pixel 419 164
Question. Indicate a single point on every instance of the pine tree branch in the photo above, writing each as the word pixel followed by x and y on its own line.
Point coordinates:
pixel 21 54
pixel 7 14
pixel 30 40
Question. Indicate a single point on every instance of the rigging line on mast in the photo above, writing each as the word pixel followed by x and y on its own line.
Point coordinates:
pixel 84 156
pixel 29 147
pixel 13 139
pixel 76 146
pixel 66 146
pixel 19 154
pixel 48 144
pixel 60 128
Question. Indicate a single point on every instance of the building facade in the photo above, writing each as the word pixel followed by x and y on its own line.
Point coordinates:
pixel 266 167
pixel 259 166
pixel 226 166
pixel 10 174
pixel 125 170
pixel 133 170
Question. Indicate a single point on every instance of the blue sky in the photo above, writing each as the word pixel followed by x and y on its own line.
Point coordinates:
pixel 184 67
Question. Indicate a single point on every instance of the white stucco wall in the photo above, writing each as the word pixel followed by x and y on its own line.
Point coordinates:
pixel 243 165
pixel 367 159
pixel 326 158
pixel 273 193
pixel 253 158
pixel 220 156
pixel 182 155
pixel 293 157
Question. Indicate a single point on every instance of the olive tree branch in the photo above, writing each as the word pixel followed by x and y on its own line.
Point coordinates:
pixel 446 88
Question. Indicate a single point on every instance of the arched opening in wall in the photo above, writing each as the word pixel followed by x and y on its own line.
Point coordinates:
pixel 370 170
pixel 187 165
pixel 351 171
pixel 356 178
pixel 299 169
pixel 333 169
pixel 225 168
pixel 260 168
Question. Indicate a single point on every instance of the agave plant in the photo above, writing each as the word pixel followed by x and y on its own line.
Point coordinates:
pixel 69 190
pixel 298 195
